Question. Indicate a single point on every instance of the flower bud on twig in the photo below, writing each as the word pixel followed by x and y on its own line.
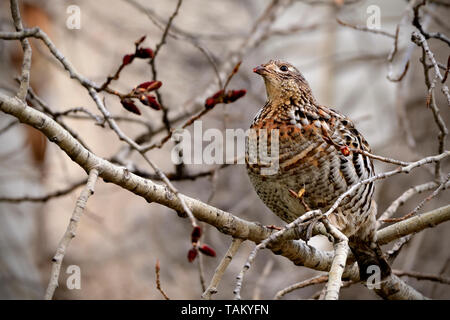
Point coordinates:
pixel 129 105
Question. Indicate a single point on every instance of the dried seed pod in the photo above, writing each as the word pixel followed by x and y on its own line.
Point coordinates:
pixel 129 105
pixel 207 250
pixel 192 254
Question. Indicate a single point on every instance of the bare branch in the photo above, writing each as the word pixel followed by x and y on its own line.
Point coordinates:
pixel 384 175
pixel 300 285
pixel 422 203
pixel 47 197
pixel 153 65
pixel 341 250
pixel 365 29
pixel 427 35
pixel 408 194
pixel 422 276
pixel 158 281
pixel 220 270
pixel 70 233
pixel 26 47
pixel 414 224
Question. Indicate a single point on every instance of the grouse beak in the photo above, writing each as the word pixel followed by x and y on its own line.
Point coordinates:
pixel 260 70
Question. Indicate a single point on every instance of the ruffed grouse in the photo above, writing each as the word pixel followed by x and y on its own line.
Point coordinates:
pixel 315 157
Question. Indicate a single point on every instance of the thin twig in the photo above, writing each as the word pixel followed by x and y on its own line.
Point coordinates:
pixel 393 253
pixel 422 203
pixel 365 29
pixel 277 236
pixel 381 158
pixel 405 196
pixel 422 276
pixel 427 35
pixel 431 102
pixel 164 109
pixel 70 233
pixel 300 285
pixel 220 270
pixel 9 126
pixel 341 250
pixel 420 40
pixel 178 34
pixel 48 196
pixel 384 175
pixel 158 281
pixel 26 47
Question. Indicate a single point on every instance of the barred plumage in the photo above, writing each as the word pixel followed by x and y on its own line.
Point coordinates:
pixel 315 156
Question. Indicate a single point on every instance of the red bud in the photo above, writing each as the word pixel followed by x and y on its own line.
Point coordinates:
pixel 217 94
pixel 196 234
pixel 206 250
pixel 233 95
pixel 345 151
pixel 152 103
pixel 129 105
pixel 210 103
pixel 216 98
pixel 192 254
pixel 127 59
pixel 144 53
pixel 150 85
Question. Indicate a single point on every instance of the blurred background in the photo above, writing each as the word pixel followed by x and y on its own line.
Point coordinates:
pixel 121 236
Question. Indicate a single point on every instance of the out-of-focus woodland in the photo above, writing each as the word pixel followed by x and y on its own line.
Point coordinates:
pixel 374 76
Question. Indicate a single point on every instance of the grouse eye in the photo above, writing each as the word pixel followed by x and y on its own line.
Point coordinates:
pixel 284 68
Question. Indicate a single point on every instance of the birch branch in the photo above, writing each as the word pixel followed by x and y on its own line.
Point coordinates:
pixel 26 48
pixel 300 285
pixel 70 233
pixel 220 270
pixel 341 251
pixel 414 224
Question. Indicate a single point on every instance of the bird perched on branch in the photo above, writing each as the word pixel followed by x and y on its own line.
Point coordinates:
pixel 314 160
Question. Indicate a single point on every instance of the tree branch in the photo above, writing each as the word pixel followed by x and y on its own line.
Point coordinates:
pixel 70 233
pixel 297 251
